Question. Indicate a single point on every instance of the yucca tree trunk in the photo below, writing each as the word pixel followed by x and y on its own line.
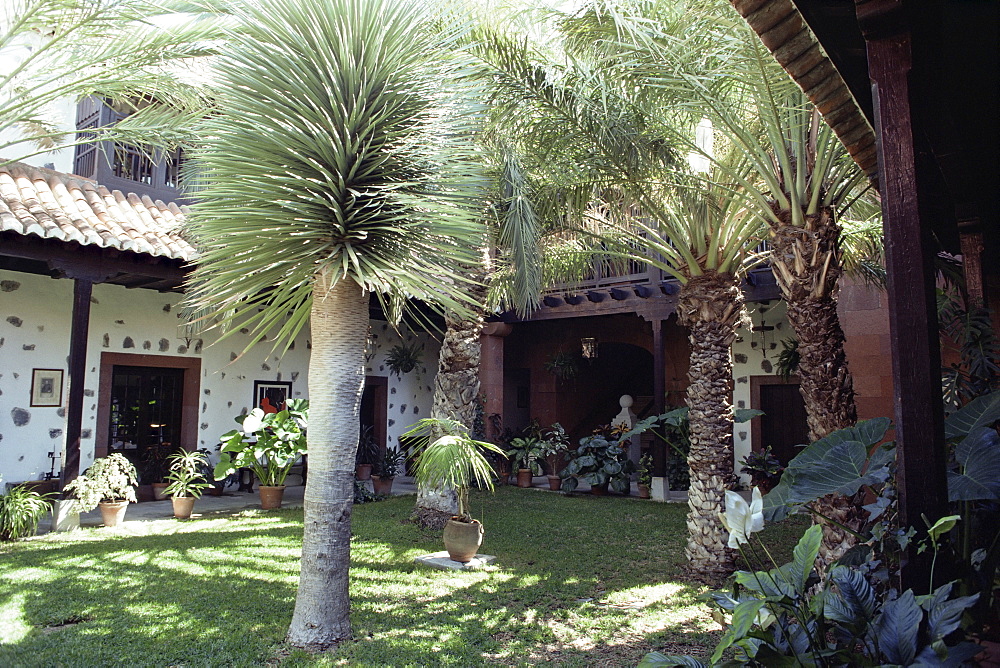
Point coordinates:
pixel 711 308
pixel 339 321
pixel 807 266
pixel 456 391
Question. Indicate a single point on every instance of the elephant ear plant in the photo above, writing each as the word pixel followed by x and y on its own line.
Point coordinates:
pixel 269 444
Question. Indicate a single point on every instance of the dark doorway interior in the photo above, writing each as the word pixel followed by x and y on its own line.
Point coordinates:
pixel 373 409
pixel 783 425
pixel 145 417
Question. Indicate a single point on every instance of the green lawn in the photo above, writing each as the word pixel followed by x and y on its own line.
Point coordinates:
pixel 579 581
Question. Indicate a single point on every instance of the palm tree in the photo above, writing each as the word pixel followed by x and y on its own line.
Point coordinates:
pixel 60 50
pixel 694 227
pixel 338 166
pixel 803 180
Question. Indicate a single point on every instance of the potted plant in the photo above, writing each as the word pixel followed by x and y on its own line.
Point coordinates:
pixel 453 460
pixel 645 477
pixel 268 444
pixel 526 453
pixel 21 508
pixel 555 442
pixel 109 483
pixel 600 462
pixel 367 455
pixel 388 468
pixel 764 469
pixel 403 358
pixel 186 481
pixel 207 471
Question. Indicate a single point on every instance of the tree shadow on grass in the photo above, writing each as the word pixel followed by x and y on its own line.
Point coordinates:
pixel 579 581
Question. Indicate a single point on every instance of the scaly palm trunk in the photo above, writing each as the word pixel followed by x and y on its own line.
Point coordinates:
pixel 339 322
pixel 456 390
pixel 711 308
pixel 806 264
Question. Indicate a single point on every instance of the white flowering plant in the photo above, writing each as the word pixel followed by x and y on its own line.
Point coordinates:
pixel 269 444
pixel 109 479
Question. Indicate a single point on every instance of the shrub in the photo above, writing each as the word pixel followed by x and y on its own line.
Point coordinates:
pixel 20 511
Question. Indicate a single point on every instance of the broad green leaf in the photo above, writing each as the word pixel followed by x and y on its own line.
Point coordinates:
pixel 743 619
pixel 980 412
pixel 854 600
pixel 978 457
pixel 943 526
pixel 804 556
pixel 896 628
pixel 745 414
pixel 661 660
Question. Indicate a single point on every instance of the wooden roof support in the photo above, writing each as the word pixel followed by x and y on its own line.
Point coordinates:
pixel 916 359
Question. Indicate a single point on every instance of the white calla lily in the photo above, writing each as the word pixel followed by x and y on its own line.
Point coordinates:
pixel 743 519
pixel 253 422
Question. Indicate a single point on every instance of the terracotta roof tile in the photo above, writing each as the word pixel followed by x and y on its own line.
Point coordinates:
pixel 52 205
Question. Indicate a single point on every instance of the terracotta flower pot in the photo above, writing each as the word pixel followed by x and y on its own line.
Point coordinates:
pixel 270 497
pixel 555 483
pixel 113 512
pixel 381 485
pixel 363 471
pixel 159 491
pixel 183 506
pixel 599 490
pixel 643 491
pixel 524 477
pixel 215 491
pixel 462 539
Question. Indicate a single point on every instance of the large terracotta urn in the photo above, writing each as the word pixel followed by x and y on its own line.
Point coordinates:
pixel 462 539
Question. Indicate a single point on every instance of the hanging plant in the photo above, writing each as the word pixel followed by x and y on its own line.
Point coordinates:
pixel 402 358
pixel 788 359
pixel 563 365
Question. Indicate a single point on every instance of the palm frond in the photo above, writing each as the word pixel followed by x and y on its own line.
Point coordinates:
pixel 342 144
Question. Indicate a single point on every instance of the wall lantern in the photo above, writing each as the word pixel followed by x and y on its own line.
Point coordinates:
pixel 589 346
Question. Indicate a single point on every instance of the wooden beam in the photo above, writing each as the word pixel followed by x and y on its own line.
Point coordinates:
pixel 79 330
pixel 916 362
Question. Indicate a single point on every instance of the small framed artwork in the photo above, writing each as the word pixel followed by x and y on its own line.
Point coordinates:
pixel 271 395
pixel 46 387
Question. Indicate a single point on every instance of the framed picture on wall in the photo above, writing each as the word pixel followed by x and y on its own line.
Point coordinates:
pixel 46 387
pixel 271 395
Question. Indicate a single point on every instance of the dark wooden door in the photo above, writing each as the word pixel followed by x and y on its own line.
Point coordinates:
pixel 783 425
pixel 145 417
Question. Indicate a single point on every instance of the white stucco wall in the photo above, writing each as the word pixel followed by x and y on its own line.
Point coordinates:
pixel 35 316
pixel 756 354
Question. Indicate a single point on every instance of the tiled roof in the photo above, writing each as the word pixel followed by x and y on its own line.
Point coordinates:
pixel 785 33
pixel 52 205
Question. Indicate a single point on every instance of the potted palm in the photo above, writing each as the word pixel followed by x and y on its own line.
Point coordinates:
pixel 454 460
pixel 110 484
pixel 186 481
pixel 526 453
pixel 268 444
pixel 388 468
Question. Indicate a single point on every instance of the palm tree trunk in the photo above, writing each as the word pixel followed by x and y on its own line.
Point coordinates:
pixel 456 392
pixel 807 266
pixel 711 307
pixel 339 322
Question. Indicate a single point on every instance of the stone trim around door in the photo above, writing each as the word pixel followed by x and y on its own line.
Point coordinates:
pixel 189 400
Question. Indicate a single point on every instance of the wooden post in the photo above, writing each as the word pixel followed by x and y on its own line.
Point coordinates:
pixel 659 450
pixel 80 328
pixel 916 360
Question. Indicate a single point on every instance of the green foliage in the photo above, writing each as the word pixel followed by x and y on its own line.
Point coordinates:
pixel 391 463
pixel 645 476
pixel 367 446
pixel 563 365
pixel 21 508
pixel 600 459
pixel 403 358
pixel 970 331
pixel 111 478
pixel 452 460
pixel 186 474
pixel 527 453
pixel 269 443
pixel 788 358
pixel 341 145
pixel 777 618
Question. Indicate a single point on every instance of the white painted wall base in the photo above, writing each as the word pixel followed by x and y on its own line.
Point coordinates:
pixel 65 516
pixel 658 489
